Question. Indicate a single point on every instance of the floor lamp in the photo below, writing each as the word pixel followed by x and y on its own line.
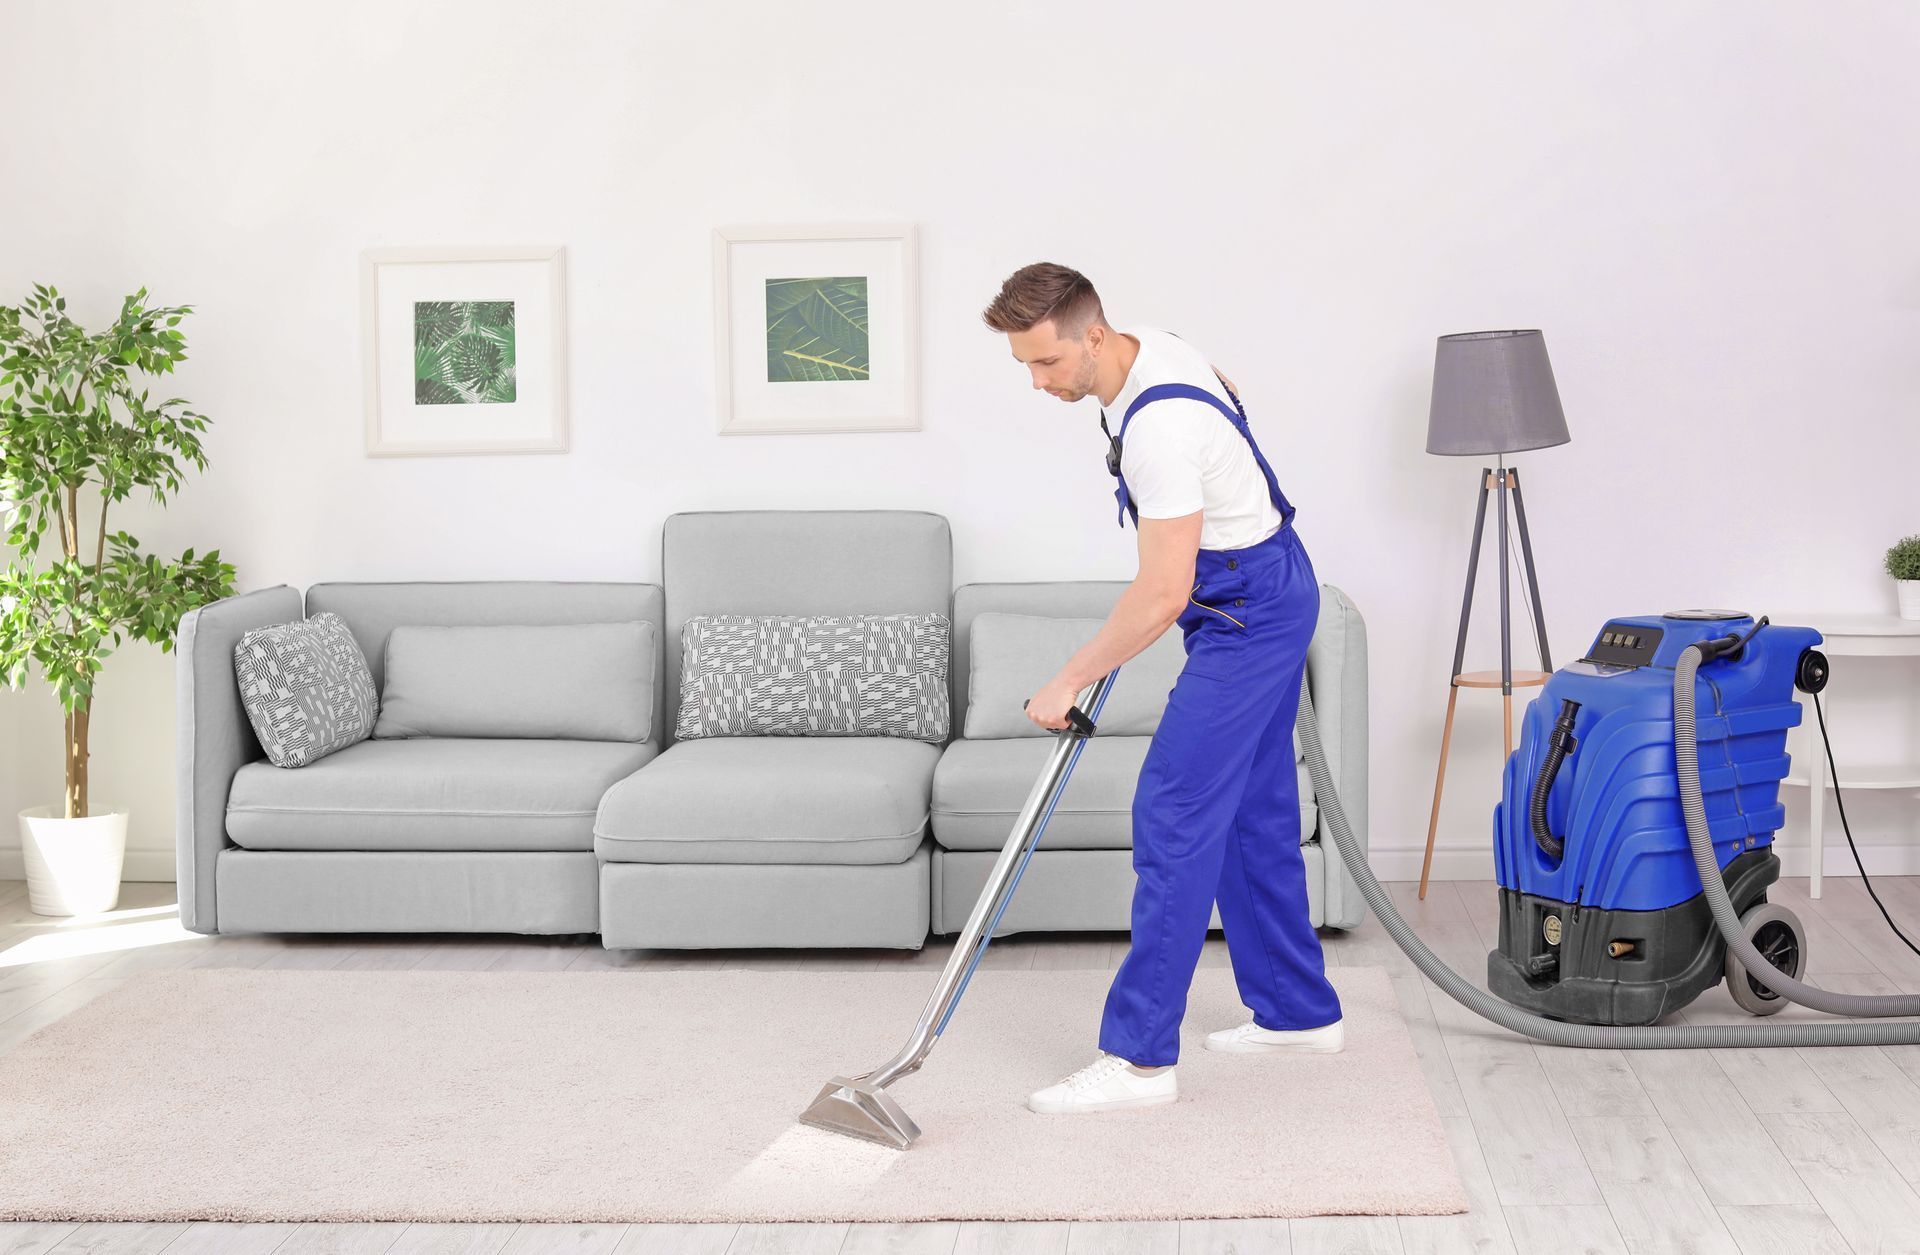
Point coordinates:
pixel 1493 392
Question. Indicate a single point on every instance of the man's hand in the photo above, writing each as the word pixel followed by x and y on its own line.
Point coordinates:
pixel 1049 706
pixel 1227 381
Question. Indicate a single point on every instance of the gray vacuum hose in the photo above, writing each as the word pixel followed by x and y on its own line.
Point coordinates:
pixel 1625 1036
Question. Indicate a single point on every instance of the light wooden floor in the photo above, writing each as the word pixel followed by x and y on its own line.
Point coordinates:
pixel 1562 1150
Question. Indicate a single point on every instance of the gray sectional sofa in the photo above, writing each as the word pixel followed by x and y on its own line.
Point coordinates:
pixel 722 841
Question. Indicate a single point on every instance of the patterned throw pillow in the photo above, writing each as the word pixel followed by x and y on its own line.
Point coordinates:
pixel 306 688
pixel 816 675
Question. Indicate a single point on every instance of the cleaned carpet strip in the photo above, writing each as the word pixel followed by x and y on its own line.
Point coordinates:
pixel 235 1094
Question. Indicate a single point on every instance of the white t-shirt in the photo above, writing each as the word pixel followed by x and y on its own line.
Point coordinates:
pixel 1182 455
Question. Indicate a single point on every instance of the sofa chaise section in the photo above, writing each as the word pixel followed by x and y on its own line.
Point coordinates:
pixel 779 841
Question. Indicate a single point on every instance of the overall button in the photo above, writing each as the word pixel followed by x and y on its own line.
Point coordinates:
pixel 1232 563
pixel 1239 601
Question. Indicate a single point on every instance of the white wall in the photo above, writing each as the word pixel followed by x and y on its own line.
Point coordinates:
pixel 1708 208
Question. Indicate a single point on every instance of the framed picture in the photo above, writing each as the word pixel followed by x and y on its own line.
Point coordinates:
pixel 465 350
pixel 816 328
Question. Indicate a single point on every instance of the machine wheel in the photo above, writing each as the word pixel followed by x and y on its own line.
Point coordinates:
pixel 1775 932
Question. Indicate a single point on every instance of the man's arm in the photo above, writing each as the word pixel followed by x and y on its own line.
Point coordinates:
pixel 1150 605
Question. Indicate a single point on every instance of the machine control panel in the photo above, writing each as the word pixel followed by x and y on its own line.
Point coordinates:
pixel 1625 644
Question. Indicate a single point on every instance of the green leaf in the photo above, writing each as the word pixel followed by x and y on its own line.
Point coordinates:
pixel 817 329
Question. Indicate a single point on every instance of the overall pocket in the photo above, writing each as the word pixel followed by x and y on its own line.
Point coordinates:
pixel 1223 593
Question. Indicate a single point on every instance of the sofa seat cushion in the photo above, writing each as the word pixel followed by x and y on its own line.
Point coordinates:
pixel 432 793
pixel 772 799
pixel 980 787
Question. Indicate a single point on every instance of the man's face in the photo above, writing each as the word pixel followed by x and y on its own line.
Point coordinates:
pixel 1063 368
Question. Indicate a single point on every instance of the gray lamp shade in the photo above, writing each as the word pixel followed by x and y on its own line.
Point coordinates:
pixel 1493 392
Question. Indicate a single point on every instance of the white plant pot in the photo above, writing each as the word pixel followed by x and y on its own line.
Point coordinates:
pixel 73 865
pixel 1909 598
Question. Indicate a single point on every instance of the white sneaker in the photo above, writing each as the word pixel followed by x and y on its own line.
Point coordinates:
pixel 1106 1083
pixel 1250 1038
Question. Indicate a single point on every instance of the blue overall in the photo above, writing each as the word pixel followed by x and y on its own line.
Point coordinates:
pixel 1216 811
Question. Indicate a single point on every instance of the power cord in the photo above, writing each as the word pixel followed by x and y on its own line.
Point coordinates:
pixel 1834 775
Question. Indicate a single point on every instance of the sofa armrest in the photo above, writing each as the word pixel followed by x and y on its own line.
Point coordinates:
pixel 214 737
pixel 1337 682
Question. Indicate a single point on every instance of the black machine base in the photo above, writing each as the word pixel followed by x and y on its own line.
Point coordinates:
pixel 1590 966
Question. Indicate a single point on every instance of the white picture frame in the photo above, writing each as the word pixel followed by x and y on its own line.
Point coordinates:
pixel 416 403
pixel 766 382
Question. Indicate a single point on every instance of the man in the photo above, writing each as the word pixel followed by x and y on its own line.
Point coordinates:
pixel 1216 810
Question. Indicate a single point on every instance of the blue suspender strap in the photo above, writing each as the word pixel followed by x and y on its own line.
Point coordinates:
pixel 1235 415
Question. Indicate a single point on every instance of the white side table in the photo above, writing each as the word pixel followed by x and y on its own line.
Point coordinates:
pixel 1851 635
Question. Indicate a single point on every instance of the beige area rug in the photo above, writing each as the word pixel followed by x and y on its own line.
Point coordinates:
pixel 236 1094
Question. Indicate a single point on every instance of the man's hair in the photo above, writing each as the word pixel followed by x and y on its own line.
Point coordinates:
pixel 1033 294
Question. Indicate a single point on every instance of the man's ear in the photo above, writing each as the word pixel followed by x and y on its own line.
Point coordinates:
pixel 1096 337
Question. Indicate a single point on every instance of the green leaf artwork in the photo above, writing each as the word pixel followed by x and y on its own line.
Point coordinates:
pixel 462 352
pixel 817 329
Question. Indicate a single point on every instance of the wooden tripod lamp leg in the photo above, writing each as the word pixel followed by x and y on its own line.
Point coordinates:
pixel 1459 656
pixel 1433 821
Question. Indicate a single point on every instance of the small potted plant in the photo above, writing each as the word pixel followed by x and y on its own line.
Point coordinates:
pixel 75 436
pixel 1903 564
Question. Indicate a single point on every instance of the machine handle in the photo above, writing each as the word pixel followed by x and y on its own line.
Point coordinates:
pixel 1076 717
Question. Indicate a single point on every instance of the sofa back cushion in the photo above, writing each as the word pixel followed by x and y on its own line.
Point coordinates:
pixel 374 608
pixel 566 681
pixel 1012 655
pixel 814 675
pixel 305 688
pixel 1056 599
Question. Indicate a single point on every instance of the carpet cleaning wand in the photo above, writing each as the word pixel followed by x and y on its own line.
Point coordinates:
pixel 860 1106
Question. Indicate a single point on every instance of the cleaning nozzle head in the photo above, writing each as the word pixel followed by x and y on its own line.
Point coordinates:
pixel 850 1106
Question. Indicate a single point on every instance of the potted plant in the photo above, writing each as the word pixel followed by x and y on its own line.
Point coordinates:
pixel 74 438
pixel 1903 564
